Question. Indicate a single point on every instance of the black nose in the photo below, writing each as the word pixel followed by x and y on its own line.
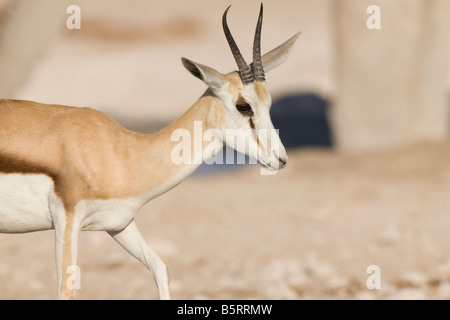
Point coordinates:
pixel 283 162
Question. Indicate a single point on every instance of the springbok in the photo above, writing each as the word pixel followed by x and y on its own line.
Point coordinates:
pixel 73 169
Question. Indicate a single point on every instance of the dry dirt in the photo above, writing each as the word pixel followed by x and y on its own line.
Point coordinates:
pixel 308 232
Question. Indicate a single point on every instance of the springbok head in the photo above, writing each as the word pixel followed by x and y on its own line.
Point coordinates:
pixel 247 126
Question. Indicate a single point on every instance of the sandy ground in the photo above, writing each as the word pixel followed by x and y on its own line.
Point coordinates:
pixel 309 232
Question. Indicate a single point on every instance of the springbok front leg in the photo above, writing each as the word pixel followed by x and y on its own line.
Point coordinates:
pixel 67 231
pixel 131 240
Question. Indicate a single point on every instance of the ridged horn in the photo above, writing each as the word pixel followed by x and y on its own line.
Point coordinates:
pixel 244 70
pixel 257 67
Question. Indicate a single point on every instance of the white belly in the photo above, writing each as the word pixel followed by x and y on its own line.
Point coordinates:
pixel 24 202
pixel 26 199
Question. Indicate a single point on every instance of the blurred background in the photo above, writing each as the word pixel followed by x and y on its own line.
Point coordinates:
pixel 364 113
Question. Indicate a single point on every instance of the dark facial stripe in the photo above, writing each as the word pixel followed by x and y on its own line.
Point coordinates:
pixel 252 125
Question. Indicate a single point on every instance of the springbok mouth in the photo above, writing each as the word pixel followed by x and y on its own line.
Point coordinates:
pixel 264 164
pixel 268 165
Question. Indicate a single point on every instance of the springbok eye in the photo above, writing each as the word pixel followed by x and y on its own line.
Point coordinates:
pixel 245 109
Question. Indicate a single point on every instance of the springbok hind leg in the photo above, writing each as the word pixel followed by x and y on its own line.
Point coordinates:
pixel 131 240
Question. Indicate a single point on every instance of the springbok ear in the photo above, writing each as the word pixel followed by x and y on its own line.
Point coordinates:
pixel 278 55
pixel 213 78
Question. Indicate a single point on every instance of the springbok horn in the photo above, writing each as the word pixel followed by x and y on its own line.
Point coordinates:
pixel 244 70
pixel 257 67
